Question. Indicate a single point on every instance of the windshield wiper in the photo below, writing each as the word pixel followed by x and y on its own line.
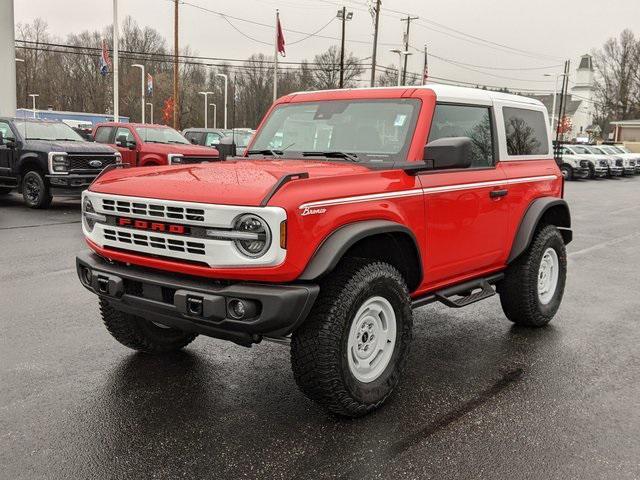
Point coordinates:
pixel 66 140
pixel 266 151
pixel 352 157
pixel 175 141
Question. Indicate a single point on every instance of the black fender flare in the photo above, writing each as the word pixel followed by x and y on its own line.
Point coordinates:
pixel 333 248
pixel 530 221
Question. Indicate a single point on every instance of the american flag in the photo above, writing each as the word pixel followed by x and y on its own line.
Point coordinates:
pixel 105 61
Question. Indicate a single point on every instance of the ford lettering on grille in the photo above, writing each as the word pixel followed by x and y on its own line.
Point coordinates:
pixel 152 226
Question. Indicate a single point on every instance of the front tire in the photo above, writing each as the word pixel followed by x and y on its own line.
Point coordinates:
pixel 349 354
pixel 567 172
pixel 533 286
pixel 142 335
pixel 35 191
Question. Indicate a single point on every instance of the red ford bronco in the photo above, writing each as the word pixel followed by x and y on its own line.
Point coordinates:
pixel 144 145
pixel 350 209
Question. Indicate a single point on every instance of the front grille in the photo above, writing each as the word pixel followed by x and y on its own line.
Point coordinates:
pixel 198 159
pixel 81 161
pixel 584 163
pixel 153 210
pixel 603 163
pixel 632 163
pixel 153 241
pixel 619 162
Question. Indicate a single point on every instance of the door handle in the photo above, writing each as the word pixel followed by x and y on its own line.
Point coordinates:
pixel 498 193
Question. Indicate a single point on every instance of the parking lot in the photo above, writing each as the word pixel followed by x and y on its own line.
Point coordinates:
pixel 480 397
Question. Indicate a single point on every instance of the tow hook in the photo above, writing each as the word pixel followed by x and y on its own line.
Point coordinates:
pixel 103 284
pixel 194 305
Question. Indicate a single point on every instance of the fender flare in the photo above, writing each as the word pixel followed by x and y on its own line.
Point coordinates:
pixel 530 221
pixel 333 248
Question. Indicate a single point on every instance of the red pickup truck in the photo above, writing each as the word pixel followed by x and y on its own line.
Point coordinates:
pixel 143 145
pixel 350 209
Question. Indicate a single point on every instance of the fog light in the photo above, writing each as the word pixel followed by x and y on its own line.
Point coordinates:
pixel 240 308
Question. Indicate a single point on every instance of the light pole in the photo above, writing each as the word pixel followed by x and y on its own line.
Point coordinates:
pixel 33 100
pixel 343 15
pixel 215 113
pixel 555 94
pixel 226 91
pixel 402 54
pixel 142 92
pixel 151 108
pixel 26 80
pixel 206 106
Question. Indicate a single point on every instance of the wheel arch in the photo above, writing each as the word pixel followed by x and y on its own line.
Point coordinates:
pixel 542 211
pixel 382 240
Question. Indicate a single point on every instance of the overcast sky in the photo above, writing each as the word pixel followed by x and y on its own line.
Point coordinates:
pixel 543 31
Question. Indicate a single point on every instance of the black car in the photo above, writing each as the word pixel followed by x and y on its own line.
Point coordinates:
pixel 42 159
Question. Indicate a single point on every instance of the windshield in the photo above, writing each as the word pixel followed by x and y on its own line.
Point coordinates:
pixel 594 150
pixel 579 150
pixel 623 149
pixel 366 130
pixel 616 149
pixel 161 135
pixel 47 131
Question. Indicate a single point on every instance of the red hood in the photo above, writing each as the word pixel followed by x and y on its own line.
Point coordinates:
pixel 176 148
pixel 239 182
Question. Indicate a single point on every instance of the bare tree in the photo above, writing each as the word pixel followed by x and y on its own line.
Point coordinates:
pixel 326 71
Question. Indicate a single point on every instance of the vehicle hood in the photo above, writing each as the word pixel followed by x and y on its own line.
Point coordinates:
pixel 69 147
pixel 232 182
pixel 182 149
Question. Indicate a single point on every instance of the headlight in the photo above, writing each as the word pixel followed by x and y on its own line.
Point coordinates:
pixel 257 235
pixel 89 215
pixel 174 158
pixel 58 163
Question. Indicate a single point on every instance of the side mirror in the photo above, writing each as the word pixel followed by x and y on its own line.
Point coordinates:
pixel 193 141
pixel 226 147
pixel 452 152
pixel 122 142
pixel 1 139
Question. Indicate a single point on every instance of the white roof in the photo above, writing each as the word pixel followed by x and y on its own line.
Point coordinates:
pixel 453 93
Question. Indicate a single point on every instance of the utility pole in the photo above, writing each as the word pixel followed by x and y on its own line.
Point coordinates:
pixel 563 99
pixel 116 48
pixel 344 16
pixel 176 52
pixel 375 42
pixel 425 69
pixel 406 44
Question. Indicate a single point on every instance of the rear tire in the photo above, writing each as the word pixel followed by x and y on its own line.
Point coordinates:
pixel 142 335
pixel 349 354
pixel 533 286
pixel 35 191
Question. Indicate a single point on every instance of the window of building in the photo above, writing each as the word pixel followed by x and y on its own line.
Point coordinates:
pixel 466 121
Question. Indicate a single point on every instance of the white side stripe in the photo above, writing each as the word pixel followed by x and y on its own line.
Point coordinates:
pixel 423 191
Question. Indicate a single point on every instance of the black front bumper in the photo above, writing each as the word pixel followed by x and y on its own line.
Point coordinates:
pixel 70 185
pixel 166 298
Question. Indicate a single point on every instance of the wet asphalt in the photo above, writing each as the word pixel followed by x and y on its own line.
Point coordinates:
pixel 480 398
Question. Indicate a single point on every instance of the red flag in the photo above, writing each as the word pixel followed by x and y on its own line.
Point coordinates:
pixel 280 40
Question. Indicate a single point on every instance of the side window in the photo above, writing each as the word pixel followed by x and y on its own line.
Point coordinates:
pixel 212 139
pixel 466 121
pixel 103 134
pixel 126 132
pixel 566 151
pixel 526 131
pixel 7 134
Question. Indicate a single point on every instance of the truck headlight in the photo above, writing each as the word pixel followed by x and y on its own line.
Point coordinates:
pixel 58 163
pixel 175 158
pixel 89 215
pixel 253 236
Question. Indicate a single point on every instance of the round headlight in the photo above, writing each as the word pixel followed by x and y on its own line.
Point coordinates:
pixel 256 233
pixel 87 206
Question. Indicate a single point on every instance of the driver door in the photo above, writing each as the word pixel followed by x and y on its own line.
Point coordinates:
pixel 129 155
pixel 466 214
pixel 6 154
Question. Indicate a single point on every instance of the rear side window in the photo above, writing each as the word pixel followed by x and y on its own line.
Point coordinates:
pixel 103 134
pixel 526 131
pixel 212 139
pixel 124 132
pixel 466 121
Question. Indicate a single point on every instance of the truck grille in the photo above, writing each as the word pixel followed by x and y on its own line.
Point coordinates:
pixel 160 243
pixel 584 163
pixel 153 210
pixel 82 161
pixel 603 163
pixel 619 162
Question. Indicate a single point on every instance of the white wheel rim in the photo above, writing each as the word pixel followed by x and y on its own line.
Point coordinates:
pixel 548 274
pixel 372 339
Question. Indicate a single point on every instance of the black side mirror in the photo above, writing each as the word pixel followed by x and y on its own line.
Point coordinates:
pixel 226 147
pixel 122 142
pixel 452 152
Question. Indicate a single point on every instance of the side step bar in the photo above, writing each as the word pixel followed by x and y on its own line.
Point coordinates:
pixel 465 293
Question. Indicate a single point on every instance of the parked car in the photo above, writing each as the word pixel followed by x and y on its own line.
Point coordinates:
pixel 42 159
pixel 143 145
pixel 575 165
pixel 631 160
pixel 385 201
pixel 598 164
pixel 209 137
pixel 615 163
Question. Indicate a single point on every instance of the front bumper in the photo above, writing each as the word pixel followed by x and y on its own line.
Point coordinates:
pixel 581 172
pixel 601 171
pixel 70 185
pixel 167 298
pixel 630 170
pixel 616 171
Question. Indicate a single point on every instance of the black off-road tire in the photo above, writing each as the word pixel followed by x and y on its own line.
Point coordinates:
pixel 319 348
pixel 519 289
pixel 567 172
pixel 35 190
pixel 140 334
